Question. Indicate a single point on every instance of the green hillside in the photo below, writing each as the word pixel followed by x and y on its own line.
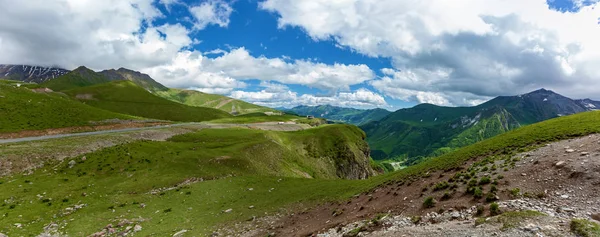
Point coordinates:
pixel 339 114
pixel 23 109
pixel 236 169
pixel 428 130
pixel 200 99
pixel 79 77
pixel 138 78
pixel 127 98
pixel 240 174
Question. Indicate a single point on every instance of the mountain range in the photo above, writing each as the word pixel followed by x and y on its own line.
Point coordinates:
pixel 339 114
pixel 59 79
pixel 429 130
pixel 28 73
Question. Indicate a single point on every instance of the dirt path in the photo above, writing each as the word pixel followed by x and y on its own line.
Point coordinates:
pixel 561 180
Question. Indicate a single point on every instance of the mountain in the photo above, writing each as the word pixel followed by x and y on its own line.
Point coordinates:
pixel 126 97
pixel 140 79
pixel 27 73
pixel 22 109
pixel 80 77
pixel 199 99
pixel 339 114
pixel 430 130
pixel 589 104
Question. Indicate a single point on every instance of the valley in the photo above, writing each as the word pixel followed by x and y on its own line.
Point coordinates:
pixel 135 158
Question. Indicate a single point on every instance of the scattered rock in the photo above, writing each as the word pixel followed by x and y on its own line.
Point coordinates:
pixel 83 158
pixel 560 164
pixel 72 163
pixel 524 174
pixel 137 228
pixel 3 235
pixel 570 150
pixel 228 210
pixel 594 216
pixel 142 205
pixel 18 225
pixel 564 196
pixel 180 233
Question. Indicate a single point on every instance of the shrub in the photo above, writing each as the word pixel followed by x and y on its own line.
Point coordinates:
pixel 441 186
pixel 477 193
pixel 490 197
pixel 484 180
pixel 493 189
pixel 515 192
pixel 415 219
pixel 585 228
pixel 429 202
pixel 494 209
pixel 480 210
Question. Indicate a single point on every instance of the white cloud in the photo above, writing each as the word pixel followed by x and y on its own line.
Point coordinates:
pixel 471 48
pixel 215 12
pixel 98 34
pixel 194 69
pixel 278 95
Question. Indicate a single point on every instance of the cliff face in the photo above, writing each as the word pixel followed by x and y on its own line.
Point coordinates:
pixel 343 151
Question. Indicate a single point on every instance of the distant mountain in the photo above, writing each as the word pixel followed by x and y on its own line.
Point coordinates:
pixel 140 79
pixel 220 102
pixel 589 104
pixel 339 114
pixel 27 73
pixel 429 130
pixel 80 77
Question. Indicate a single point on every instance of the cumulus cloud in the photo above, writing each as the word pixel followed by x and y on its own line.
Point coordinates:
pixel 231 68
pixel 278 95
pixel 215 12
pixel 472 49
pixel 99 34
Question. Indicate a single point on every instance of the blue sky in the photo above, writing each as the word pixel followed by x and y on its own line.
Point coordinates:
pixel 354 53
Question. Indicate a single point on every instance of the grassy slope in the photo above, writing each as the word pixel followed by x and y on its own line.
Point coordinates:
pixel 116 177
pixel 127 98
pixel 79 77
pixel 230 161
pixel 23 109
pixel 199 99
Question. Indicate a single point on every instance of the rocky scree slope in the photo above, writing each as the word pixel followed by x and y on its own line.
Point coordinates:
pixel 26 73
pixel 550 191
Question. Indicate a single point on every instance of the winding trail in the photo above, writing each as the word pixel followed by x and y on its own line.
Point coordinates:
pixel 261 126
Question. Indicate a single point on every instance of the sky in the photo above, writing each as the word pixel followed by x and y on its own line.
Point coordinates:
pixel 389 54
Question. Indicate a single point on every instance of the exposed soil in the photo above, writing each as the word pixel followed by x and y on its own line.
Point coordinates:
pixel 98 127
pixel 561 179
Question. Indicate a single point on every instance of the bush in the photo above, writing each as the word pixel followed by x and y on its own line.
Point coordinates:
pixel 429 202
pixel 585 228
pixel 477 193
pixel 484 180
pixel 480 210
pixel 515 192
pixel 441 186
pixel 494 209
pixel 490 197
pixel 493 189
